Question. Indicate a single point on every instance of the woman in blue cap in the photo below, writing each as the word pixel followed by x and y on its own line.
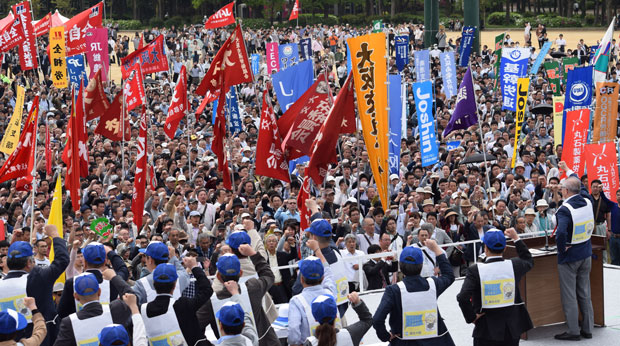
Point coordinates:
pixel 12 324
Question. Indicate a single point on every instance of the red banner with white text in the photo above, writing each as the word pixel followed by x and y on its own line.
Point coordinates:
pixel 602 163
pixel 577 123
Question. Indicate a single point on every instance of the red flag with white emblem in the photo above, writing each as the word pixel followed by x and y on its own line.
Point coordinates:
pixel 27 49
pixel 304 213
pixel 11 35
pixel 95 101
pixel 178 105
pixel 76 28
pixel 139 184
pixel 270 160
pixel 110 122
pixel 43 25
pixel 294 11
pixel 224 16
pixel 133 90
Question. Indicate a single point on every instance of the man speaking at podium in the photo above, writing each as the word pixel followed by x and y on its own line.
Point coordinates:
pixel 575 221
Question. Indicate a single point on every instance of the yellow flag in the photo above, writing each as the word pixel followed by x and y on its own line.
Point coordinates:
pixel 523 85
pixel 558 116
pixel 11 135
pixel 56 218
pixel 370 76
pixel 57 57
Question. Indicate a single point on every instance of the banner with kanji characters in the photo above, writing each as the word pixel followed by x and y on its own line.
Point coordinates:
pixel 602 163
pixel 272 57
pixel 28 48
pixel 553 75
pixel 606 113
pixel 523 85
pixel 57 57
pixel 151 58
pixel 467 40
pixel 568 64
pixel 255 62
pixel 306 48
pixel 395 121
pixel 288 55
pixel 448 73
pixel 422 62
pixel 11 35
pixel 234 116
pixel 97 53
pixel 13 129
pixel 401 45
pixel 43 25
pixel 577 123
pixel 76 69
pixel 558 119
pixel 514 66
pixel 76 28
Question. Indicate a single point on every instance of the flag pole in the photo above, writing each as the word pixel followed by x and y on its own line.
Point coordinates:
pixel 123 130
pixel 34 179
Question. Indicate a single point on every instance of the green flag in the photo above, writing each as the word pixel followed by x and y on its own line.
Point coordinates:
pixel 569 64
pixel 377 26
pixel 552 68
pixel 499 43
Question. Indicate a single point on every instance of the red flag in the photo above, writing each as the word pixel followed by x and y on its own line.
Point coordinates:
pixel 347 99
pixel 110 122
pixel 151 58
pixel 324 147
pixel 577 124
pixel 141 44
pixel 48 150
pixel 270 160
pixel 209 97
pixel 81 131
pixel 178 105
pixel 2 231
pixel 133 90
pixel 229 67
pixel 219 135
pixel 20 163
pixel 152 177
pixel 43 25
pixel 224 16
pixel 602 164
pixel 11 35
pixel 76 27
pixel 304 213
pixel 71 158
pixel 27 49
pixel 312 109
pixel 139 184
pixel 294 11
pixel 95 101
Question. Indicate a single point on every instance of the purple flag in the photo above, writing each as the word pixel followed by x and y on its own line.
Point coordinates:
pixel 97 52
pixel 464 114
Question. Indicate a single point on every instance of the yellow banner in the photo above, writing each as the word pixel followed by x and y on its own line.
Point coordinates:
pixel 55 218
pixel 606 113
pixel 523 84
pixel 370 78
pixel 57 57
pixel 13 130
pixel 558 117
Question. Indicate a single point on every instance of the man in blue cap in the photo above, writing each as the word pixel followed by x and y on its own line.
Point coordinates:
pixel 114 335
pixel 84 326
pixel 235 324
pixel 26 279
pixel 157 253
pixel 166 317
pixel 95 255
pixel 490 296
pixel 12 323
pixel 412 303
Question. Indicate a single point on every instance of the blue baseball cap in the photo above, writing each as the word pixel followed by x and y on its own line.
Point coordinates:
pixel 11 321
pixel 324 308
pixel 321 228
pixel 411 255
pixel 113 334
pixel 228 265
pixel 311 268
pixel 20 249
pixel 94 253
pixel 85 284
pixel 157 250
pixel 494 239
pixel 231 314
pixel 238 238
pixel 165 273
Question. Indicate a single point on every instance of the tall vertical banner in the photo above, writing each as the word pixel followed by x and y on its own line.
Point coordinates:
pixel 404 109
pixel 306 48
pixel 255 62
pixel 600 58
pixel 540 58
pixel 602 163
pixel 349 63
pixel 558 119
pixel 368 54
pixel 288 55
pixel 76 70
pixel 394 93
pixel 467 40
pixel 57 57
pixel 234 117
pixel 577 124
pixel 28 48
pixel 423 94
pixel 448 73
pixel 12 132
pixel 569 64
pixel 97 53
pixel 272 57
pixel 523 85
pixel 422 63
pixel 401 44
pixel 499 43
pixel 606 113
pixel 553 75
pixel 514 66
pixel 578 91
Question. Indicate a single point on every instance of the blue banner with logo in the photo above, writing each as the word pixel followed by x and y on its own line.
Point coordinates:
pixel 306 48
pixel 234 117
pixel 401 44
pixel 423 94
pixel 422 63
pixel 288 55
pixel 578 90
pixel 255 64
pixel 592 52
pixel 76 70
pixel 291 83
pixel 541 57
pixel 513 65
pixel 452 145
pixel 448 73
pixel 467 40
pixel 395 122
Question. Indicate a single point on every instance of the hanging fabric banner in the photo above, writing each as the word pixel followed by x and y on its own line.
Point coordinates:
pixel 272 57
pixel 467 40
pixel 573 152
pixel 394 93
pixel 401 44
pixel 523 85
pixel 602 163
pixel 514 66
pixel 448 73
pixel 421 59
pixel 288 55
pixel 423 94
pixel 57 57
pixel 606 113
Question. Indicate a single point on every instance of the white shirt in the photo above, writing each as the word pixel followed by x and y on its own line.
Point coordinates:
pixel 352 274
pixel 365 241
pixel 273 263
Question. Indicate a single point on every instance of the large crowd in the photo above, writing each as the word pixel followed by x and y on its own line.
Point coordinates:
pixel 204 251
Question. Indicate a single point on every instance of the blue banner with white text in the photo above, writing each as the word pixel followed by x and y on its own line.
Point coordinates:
pixel 255 64
pixel 467 40
pixel 395 122
pixel 288 55
pixel 401 43
pixel 513 66
pixel 76 70
pixel 234 117
pixel 291 83
pixel 448 73
pixel 422 63
pixel 423 94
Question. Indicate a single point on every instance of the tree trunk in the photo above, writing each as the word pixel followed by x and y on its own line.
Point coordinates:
pixel 393 6
pixel 507 11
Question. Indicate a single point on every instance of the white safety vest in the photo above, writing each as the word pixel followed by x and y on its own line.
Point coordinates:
pixel 583 222
pixel 151 293
pixel 343 338
pixel 12 294
pixel 420 317
pixel 340 277
pixel 86 332
pixel 163 329
pixel 497 284
pixel 246 304
pixel 104 298
pixel 312 323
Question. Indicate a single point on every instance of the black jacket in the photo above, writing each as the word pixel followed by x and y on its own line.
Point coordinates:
pixel 500 324
pixel 287 279
pixel 374 271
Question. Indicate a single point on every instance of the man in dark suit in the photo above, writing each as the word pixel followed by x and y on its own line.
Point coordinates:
pixel 281 291
pixel 84 325
pixel 500 315
pixel 474 229
pixel 378 270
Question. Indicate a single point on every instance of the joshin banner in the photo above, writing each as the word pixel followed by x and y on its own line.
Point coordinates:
pixel 606 113
pixel 523 85
pixel 423 93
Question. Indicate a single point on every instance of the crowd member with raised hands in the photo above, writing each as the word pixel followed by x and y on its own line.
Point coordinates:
pixel 13 325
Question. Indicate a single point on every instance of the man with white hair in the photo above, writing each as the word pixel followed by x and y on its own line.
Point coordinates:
pixel 352 267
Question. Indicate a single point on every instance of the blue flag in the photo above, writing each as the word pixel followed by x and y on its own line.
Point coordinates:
pixel 76 70
pixel 541 57
pixel 592 52
pixel 402 51
pixel 395 123
pixel 578 90
pixel 214 110
pixel 423 94
pixel 293 164
pixel 288 55
pixel 422 62
pixel 467 40
pixel 306 48
pixel 513 66
pixel 448 73
pixel 255 64
pixel 349 63
pixel 452 145
pixel 234 117
pixel 291 83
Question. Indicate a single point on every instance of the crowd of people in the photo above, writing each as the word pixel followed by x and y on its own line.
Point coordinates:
pixel 208 258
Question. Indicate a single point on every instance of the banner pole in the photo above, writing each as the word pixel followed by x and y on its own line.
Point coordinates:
pixel 34 184
pixel 123 130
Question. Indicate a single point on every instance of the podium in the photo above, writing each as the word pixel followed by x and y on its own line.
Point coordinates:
pixel 540 287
